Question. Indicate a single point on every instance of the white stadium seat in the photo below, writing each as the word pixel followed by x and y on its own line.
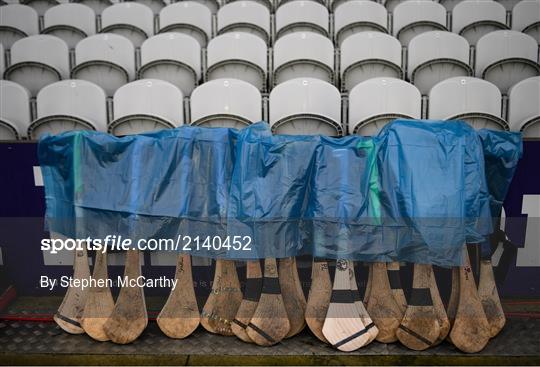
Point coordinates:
pixel 154 5
pixel 508 4
pixel 96 5
pixel 244 16
pixel 37 61
pixel 69 105
pixel 225 103
pixel 16 22
pixel 473 100
pixel 506 57
pixel 70 22
pixel 377 101
pixel 131 20
pixel 238 55
pixel 278 3
pixel 524 107
pixel 357 16
pixel 14 110
pixel 107 60
pixel 368 55
pixel 212 5
pixel 189 17
pixel 303 55
pixel 268 3
pixel 40 6
pixel 474 18
pixel 391 4
pixel 526 18
pixel 414 17
pixel 146 105
pixel 306 106
pixel 173 57
pixel 300 15
pixel 435 56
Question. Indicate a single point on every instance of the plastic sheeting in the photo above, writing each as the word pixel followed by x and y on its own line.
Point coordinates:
pixel 502 151
pixel 416 192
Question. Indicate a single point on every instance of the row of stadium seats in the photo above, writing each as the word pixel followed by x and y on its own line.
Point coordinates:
pixel 213 5
pixel 108 60
pixel 73 21
pixel 301 105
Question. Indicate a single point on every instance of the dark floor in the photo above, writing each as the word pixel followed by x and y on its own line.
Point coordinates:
pixel 24 342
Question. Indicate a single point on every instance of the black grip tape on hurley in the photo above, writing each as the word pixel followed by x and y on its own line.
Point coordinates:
pixel 421 297
pixel 253 289
pixel 394 279
pixel 341 296
pixel 271 286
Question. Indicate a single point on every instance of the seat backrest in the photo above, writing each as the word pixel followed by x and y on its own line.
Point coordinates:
pixel 501 45
pixel 305 96
pixel 134 14
pixel 15 106
pixel 107 47
pixel 301 11
pixel 20 17
pixel 413 11
pixel 469 12
pixel 525 13
pixel 173 46
pixel 150 97
pixel 244 12
pixel 226 96
pixel 383 96
pixel 237 45
pixel 435 45
pixel 357 11
pixel 370 45
pixel 524 103
pixel 187 12
pixel 462 95
pixel 44 49
pixel 78 98
pixel 303 46
pixel 71 14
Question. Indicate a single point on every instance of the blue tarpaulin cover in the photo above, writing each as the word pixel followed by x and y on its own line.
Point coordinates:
pixel 415 192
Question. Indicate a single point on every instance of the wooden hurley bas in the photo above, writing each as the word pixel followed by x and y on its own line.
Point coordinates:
pixel 99 303
pixel 249 304
pixel 129 317
pixel 70 312
pixel 180 315
pixel 224 299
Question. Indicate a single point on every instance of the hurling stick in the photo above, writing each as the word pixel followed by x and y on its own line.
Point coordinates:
pixel 293 297
pixel 487 290
pixel 249 302
pixel 368 284
pixel 343 327
pixel 419 328
pixel 180 315
pixel 453 301
pixel 382 307
pixel 442 318
pixel 70 312
pixel 99 302
pixel 224 299
pixel 270 323
pixel 318 297
pixel 364 316
pixel 395 285
pixel 129 317
pixel 471 331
